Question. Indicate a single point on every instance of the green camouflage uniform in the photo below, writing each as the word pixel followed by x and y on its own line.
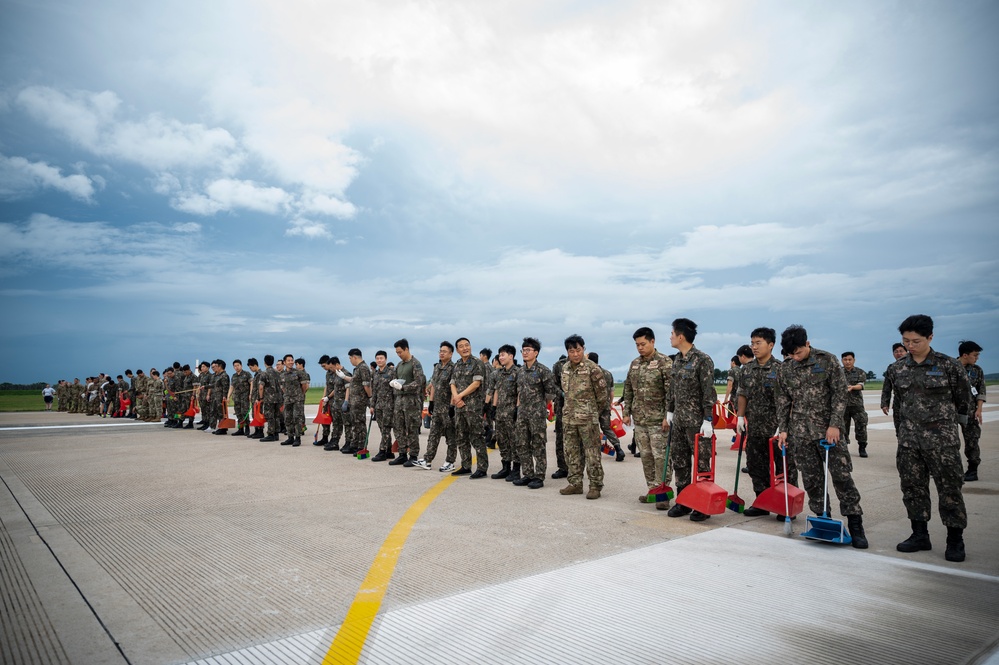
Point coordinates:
pixel 646 389
pixel 758 385
pixel 154 396
pixel 358 405
pixel 442 418
pixel 273 398
pixel 585 392
pixel 240 383
pixel 219 393
pixel 204 384
pixel 504 385
pixel 383 403
pixel 535 388
pixel 811 397
pixel 468 418
pixel 692 398
pixel 559 408
pixel 294 401
pixel 408 407
pixel 855 410
pixel 972 430
pixel 932 395
pixel 887 390
pixel 605 415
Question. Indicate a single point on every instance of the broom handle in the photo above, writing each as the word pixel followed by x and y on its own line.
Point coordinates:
pixel 738 461
pixel 783 456
pixel 825 482
pixel 669 441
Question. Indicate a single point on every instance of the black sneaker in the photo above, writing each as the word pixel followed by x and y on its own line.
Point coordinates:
pixel 398 460
pixel 753 511
pixel 463 471
pixel 380 457
pixel 479 473
pixel 406 462
pixel 698 516
pixel 561 473
pixel 535 484
pixel 678 511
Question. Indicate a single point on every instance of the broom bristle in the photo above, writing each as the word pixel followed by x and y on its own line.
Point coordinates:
pixel 735 504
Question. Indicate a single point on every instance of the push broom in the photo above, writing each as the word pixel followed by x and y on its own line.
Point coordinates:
pixel 662 491
pixel 733 502
pixel 363 452
pixel 788 528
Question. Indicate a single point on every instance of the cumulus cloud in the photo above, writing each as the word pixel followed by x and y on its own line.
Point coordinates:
pixel 328 205
pixel 308 229
pixel 229 194
pixel 20 178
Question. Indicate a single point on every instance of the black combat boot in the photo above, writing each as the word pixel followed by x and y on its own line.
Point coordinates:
pixel 323 441
pixel 523 481
pixel 955 545
pixel 258 433
pixel 862 449
pixel 297 442
pixel 855 524
pixel 972 473
pixel 502 473
pixel 398 461
pixel 221 432
pixel 380 457
pixel 269 438
pixel 204 427
pixel 514 474
pixel 620 453
pixel 918 541
pixel 239 432
pixel 287 442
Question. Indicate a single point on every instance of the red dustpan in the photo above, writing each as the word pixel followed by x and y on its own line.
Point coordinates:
pixel 226 422
pixel 703 494
pixel 323 417
pixel 772 498
pixel 258 416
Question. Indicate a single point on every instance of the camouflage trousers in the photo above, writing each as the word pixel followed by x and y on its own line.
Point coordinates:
pixel 560 435
pixel 855 414
pixel 532 437
pixel 241 409
pixel 294 418
pixel 468 435
pixel 651 441
pixel 217 411
pixel 505 433
pixel 810 458
pixel 334 429
pixel 607 430
pixel 407 429
pixel 386 420
pixel 582 445
pixel 441 424
pixel 682 454
pixel 272 414
pixel 205 406
pixel 355 421
pixel 972 433
pixel 758 460
pixel 155 407
pixel 941 460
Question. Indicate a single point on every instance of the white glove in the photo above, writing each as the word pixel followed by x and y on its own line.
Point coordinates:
pixel 740 424
pixel 669 417
pixel 340 373
pixel 396 383
pixel 777 432
pixel 326 399
pixel 707 430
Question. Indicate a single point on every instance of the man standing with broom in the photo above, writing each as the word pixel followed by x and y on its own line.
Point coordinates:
pixel 811 401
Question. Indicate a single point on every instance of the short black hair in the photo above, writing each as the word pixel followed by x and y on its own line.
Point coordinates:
pixel 487 352
pixel 382 353
pixel 745 351
pixel 917 323
pixel 323 359
pixel 204 363
pixel 735 359
pixel 897 345
pixel 572 341
pixel 766 334
pixel 967 346
pixel 448 345
pixel 237 360
pixel 252 361
pixel 594 356
pixel 268 359
pixel 220 363
pixel 288 355
pixel 355 352
pixel 460 339
pixel 848 353
pixel 300 361
pixel 793 338
pixel 645 332
pixel 508 348
pixel 334 360
pixel 532 343
pixel 186 367
pixel 401 343
pixel 685 327
pixel 128 372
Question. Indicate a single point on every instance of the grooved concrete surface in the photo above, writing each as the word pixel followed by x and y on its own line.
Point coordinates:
pixel 190 546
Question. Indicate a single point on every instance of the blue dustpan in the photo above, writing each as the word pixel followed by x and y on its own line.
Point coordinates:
pixel 824 528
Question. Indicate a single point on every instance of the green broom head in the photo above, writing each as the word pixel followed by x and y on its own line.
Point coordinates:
pixel 735 504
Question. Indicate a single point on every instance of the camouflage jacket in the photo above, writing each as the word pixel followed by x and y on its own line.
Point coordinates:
pixel 410 397
pixel 220 387
pixel 255 385
pixel 758 385
pixel 360 379
pixel 141 384
pixel 929 395
pixel 646 388
pixel 204 382
pixel 976 380
pixel 441 381
pixel 291 385
pixel 505 384
pixel 855 398
pixel 382 394
pixel 240 382
pixel 811 396
pixel 271 381
pixel 465 373
pixel 557 373
pixel 585 392
pixel 692 388
pixel 535 388
pixel 154 387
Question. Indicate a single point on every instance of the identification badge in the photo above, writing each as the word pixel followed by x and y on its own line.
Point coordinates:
pixel 818 369
pixel 934 372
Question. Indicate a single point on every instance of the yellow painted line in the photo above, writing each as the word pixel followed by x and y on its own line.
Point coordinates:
pixel 350 639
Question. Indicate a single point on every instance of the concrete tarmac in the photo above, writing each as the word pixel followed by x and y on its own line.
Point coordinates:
pixel 128 542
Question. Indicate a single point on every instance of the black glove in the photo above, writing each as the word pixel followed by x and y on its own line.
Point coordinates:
pixel 450 412
pixel 430 407
pixel 514 414
pixel 492 412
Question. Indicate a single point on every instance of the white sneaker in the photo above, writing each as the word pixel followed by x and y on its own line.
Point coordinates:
pixel 448 466
pixel 422 463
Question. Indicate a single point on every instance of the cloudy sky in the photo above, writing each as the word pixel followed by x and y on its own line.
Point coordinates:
pixel 190 180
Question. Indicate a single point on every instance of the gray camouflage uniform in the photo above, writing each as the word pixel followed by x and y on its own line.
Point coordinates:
pixel 692 398
pixel 646 388
pixel 585 396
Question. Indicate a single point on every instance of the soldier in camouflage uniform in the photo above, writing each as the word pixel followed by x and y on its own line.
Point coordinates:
pixel 757 411
pixel 294 383
pixel 409 385
pixel 811 400
pixel 336 393
pixel 187 383
pixel 202 385
pixel 488 418
pixel 605 416
pixel 218 395
pixel 442 413
pixel 305 380
pixel 563 467
pixel 73 395
pixel 239 391
pixel 467 379
pixel 141 399
pixel 383 404
pixel 503 405
pixel 358 396
pixel 170 381
pixel 254 395
pixel 646 389
pixel 154 395
pixel 689 410
pixel 585 391
pixel 897 350
pixel 855 410
pixel 270 393
pixel 935 395
pixel 968 353
pixel 535 391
